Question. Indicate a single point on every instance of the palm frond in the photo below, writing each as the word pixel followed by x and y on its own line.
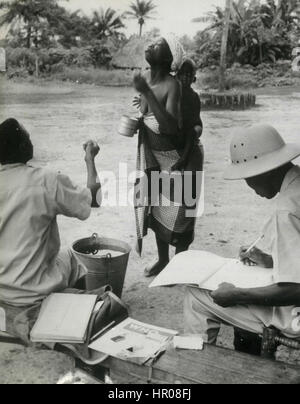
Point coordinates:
pixel 141 9
pixel 106 22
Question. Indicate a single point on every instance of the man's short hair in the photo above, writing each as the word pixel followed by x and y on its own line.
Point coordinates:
pixel 15 144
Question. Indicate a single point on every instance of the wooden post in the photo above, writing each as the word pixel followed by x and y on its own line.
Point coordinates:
pixel 37 66
pixel 269 344
pixel 141 23
pixel 2 60
pixel 223 62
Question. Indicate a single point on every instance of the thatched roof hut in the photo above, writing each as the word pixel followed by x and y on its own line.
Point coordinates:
pixel 132 55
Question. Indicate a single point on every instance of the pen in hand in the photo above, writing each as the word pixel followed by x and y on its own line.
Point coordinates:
pixel 254 244
pixel 244 255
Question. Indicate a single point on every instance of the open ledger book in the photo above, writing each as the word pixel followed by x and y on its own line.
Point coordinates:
pixel 208 271
pixel 134 341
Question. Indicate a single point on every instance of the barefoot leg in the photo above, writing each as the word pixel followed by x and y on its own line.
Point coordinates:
pixel 163 258
pixel 182 246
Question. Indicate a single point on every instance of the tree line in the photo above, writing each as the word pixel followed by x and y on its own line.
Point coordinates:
pixel 42 23
pixel 251 32
pixel 258 32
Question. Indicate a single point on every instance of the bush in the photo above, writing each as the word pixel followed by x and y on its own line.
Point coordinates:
pixel 210 80
pixel 79 57
pixel 99 53
pixel 280 74
pixel 21 58
pixel 17 72
pixel 54 60
pixel 207 49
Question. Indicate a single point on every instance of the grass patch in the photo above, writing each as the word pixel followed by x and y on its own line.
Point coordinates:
pixel 247 77
pixel 242 78
pixel 99 77
pixel 210 80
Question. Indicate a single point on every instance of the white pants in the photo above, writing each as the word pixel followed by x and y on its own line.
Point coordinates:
pixel 203 316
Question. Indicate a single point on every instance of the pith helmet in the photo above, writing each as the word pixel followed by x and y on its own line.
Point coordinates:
pixel 258 150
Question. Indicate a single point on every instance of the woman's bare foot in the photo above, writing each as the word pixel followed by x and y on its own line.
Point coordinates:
pixel 155 269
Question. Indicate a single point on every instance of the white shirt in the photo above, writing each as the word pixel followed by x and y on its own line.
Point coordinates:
pixel 283 234
pixel 30 200
pixel 283 230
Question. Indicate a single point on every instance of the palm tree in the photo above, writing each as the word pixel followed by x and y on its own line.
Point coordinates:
pixel 106 23
pixel 29 13
pixel 71 27
pixel 224 45
pixel 142 11
pixel 287 11
pixel 252 31
pixel 297 11
pixel 220 19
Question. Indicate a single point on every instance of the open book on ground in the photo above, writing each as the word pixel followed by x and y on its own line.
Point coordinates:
pixel 64 318
pixel 134 341
pixel 208 271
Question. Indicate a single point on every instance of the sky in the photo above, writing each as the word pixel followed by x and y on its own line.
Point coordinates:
pixel 171 15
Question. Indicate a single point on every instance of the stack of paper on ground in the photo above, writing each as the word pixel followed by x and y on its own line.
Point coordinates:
pixel 134 341
pixel 64 318
pixel 193 342
pixel 208 271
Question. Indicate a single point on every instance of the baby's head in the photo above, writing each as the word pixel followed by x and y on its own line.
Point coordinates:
pixel 187 73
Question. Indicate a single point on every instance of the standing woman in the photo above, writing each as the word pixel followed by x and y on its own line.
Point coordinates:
pixel 160 147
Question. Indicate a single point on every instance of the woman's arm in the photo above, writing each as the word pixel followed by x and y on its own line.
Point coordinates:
pixel 168 117
pixel 189 144
pixel 198 123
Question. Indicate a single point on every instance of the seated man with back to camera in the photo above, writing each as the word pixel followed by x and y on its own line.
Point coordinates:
pixel 31 263
pixel 260 156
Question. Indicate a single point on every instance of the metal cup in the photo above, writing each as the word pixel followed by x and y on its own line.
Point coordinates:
pixel 128 126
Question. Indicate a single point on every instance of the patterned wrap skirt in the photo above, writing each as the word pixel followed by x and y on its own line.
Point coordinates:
pixel 168 214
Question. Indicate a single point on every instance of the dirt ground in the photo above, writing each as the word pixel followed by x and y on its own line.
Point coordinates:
pixel 60 117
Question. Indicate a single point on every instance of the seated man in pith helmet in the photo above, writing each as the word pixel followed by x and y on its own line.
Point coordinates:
pixel 261 157
pixel 31 264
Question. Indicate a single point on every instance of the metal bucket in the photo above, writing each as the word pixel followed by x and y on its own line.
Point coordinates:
pixel 106 269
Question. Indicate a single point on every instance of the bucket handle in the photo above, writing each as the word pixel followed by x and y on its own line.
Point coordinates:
pixel 95 237
pixel 108 256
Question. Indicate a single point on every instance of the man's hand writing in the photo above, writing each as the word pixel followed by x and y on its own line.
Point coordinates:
pixel 255 257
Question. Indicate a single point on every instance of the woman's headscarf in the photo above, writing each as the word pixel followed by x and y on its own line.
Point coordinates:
pixel 176 50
